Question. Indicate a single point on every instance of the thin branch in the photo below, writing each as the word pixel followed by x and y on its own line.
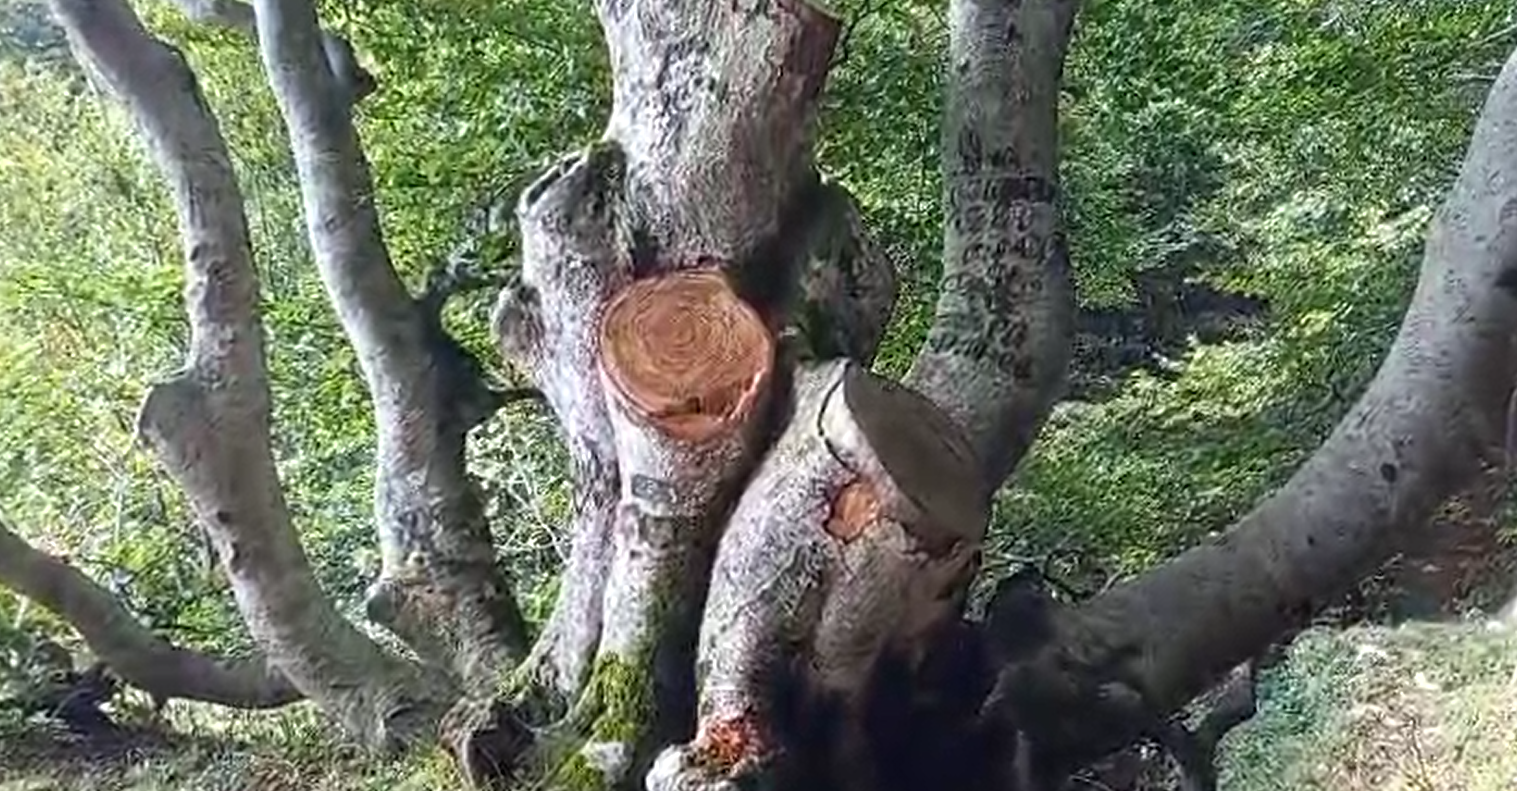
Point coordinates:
pixel 452 277
pixel 865 11
pixel 338 191
pixel 356 82
pixel 997 353
pixel 440 589
pixel 210 423
pixel 138 656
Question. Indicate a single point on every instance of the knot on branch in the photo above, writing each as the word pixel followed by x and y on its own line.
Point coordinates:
pixel 174 418
pixel 1057 709
pixel 487 739
pixel 823 278
pixel 70 696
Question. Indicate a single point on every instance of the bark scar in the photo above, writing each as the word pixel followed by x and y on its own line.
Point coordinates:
pixel 855 508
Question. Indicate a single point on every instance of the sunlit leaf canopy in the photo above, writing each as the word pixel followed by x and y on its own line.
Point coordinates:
pixel 1286 150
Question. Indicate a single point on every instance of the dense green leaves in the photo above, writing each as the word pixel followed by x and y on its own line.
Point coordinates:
pixel 1288 149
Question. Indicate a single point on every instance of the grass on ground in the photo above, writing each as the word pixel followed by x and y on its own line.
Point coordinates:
pixel 1421 707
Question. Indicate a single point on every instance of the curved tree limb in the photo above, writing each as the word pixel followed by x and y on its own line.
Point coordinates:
pixel 209 424
pixel 440 587
pixel 138 656
pixel 1430 420
pixel 998 350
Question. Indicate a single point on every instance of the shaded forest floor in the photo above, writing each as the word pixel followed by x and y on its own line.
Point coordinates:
pixel 1427 703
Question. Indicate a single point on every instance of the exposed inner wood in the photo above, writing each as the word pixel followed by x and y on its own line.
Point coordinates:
pixel 855 508
pixel 726 743
pixel 924 454
pixel 686 353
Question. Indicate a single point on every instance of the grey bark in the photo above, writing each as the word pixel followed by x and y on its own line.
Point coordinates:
pixel 997 354
pixel 714 104
pixel 856 538
pixel 547 324
pixel 141 658
pixel 851 546
pixel 209 423
pixel 440 587
pixel 640 204
pixel 1430 421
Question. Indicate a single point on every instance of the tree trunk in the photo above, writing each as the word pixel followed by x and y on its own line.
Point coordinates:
pixel 771 545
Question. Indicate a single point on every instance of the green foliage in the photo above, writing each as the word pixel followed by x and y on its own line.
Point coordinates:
pixel 1417 707
pixel 1295 151
pixel 1290 149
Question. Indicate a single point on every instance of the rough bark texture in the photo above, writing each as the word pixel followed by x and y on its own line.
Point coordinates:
pixel 1429 421
pixel 857 536
pixel 548 324
pixel 713 104
pixel 694 172
pixel 440 588
pixel 760 524
pixel 845 285
pixel 138 656
pixel 687 367
pixel 209 424
pixel 998 350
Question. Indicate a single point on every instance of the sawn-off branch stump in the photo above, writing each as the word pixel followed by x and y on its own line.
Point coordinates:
pixel 856 539
pixel 781 527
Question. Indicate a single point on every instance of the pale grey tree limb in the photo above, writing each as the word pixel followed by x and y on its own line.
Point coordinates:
pixel 998 350
pixel 440 588
pixel 210 423
pixel 342 60
pixel 129 649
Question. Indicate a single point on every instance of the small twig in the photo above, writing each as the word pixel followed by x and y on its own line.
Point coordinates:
pixel 1236 704
pixel 450 278
pixel 1497 36
pixel 1195 751
pixel 515 394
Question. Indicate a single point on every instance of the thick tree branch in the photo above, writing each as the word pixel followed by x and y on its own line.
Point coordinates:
pixel 210 423
pixel 714 162
pixel 1429 421
pixel 356 83
pixel 996 356
pixel 694 172
pixel 547 324
pixel 138 656
pixel 440 588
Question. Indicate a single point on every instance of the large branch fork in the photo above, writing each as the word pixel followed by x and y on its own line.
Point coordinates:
pixel 771 546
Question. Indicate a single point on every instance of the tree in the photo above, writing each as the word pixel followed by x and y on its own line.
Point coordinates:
pixel 772 545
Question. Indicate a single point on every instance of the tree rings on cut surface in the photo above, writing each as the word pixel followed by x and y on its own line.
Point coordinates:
pixel 686 354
